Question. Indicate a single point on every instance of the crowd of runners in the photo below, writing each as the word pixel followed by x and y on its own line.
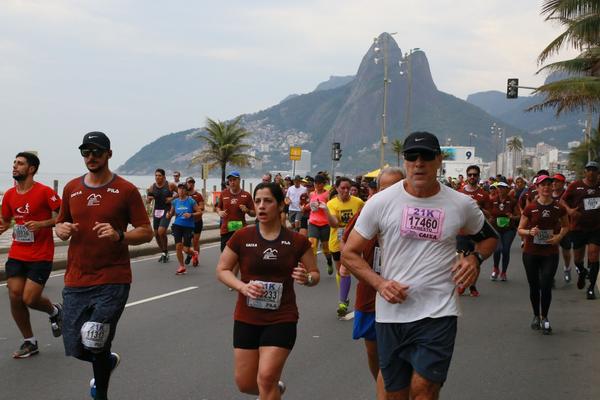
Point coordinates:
pixel 413 244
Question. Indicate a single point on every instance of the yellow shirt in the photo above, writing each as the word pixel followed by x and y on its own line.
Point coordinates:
pixel 343 211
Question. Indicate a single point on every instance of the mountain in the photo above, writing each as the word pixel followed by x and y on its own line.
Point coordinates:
pixel 347 110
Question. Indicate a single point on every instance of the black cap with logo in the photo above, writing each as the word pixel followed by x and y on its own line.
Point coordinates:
pixel 421 141
pixel 95 139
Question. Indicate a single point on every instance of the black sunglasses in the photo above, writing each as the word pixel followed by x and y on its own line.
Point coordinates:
pixel 94 152
pixel 473 174
pixel 425 155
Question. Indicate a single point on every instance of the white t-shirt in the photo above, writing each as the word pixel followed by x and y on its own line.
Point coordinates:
pixel 294 194
pixel 417 237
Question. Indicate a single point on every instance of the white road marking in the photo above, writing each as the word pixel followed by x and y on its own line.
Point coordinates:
pixel 135 303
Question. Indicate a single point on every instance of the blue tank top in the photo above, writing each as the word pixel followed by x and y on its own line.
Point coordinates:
pixel 181 207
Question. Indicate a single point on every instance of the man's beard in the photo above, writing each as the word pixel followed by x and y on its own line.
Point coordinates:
pixel 19 177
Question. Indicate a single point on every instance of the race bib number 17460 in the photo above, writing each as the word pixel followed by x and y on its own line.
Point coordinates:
pixel 422 223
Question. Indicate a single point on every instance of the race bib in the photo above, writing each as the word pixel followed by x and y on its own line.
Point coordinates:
pixel 271 297
pixel 340 233
pixel 233 226
pixel 543 236
pixel 592 203
pixel 22 234
pixel 159 213
pixel 422 223
pixel 502 222
pixel 377 259
pixel 94 334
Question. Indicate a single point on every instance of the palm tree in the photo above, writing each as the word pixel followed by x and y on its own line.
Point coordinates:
pixel 581 90
pixel 514 145
pixel 224 145
pixel 578 157
pixel 397 147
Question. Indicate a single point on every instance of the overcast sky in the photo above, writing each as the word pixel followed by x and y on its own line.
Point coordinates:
pixel 141 69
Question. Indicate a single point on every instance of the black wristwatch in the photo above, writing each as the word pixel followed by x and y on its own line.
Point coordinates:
pixel 479 258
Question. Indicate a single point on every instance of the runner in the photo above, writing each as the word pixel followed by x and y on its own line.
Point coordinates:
pixel 364 307
pixel 271 258
pixel 185 209
pixel 267 177
pixel 198 223
pixel 503 214
pixel 161 193
pixel 31 205
pixel 176 177
pixel 318 224
pixel 582 201
pixel 97 209
pixel 544 223
pixel 340 211
pixel 566 244
pixel 471 188
pixel 293 199
pixel 417 221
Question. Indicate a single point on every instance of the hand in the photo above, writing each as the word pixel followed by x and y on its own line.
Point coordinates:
pixel 573 212
pixel 465 271
pixel 66 229
pixel 252 289
pixel 534 231
pixel 322 205
pixel 243 208
pixel 33 226
pixel 300 274
pixel 168 215
pixel 186 215
pixel 393 292
pixel 222 213
pixel 554 240
pixel 105 230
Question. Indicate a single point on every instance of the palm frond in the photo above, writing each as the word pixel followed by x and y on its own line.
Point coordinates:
pixel 571 94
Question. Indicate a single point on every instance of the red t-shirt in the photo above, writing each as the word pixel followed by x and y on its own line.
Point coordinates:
pixel 229 202
pixel 36 205
pixel 198 199
pixel 502 208
pixel 268 261
pixel 546 218
pixel 365 293
pixel 577 195
pixel 92 261
pixel 479 195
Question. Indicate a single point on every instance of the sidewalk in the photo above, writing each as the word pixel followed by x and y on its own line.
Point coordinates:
pixel 210 234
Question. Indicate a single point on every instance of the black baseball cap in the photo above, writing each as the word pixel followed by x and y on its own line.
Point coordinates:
pixel 421 141
pixel 97 139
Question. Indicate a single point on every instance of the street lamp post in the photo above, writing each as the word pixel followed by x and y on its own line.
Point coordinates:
pixel 494 134
pixel 471 135
pixel 407 61
pixel 386 82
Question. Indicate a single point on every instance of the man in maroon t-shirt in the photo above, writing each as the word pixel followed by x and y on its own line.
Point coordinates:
pixel 95 214
pixel 582 201
pixel 31 205
pixel 232 207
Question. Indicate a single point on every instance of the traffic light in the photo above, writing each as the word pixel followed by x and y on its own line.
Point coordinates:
pixel 512 88
pixel 336 151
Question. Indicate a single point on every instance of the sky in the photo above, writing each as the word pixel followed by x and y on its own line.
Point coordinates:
pixel 139 69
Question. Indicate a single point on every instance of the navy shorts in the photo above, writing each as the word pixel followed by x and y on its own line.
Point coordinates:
pixel 36 271
pixel 319 232
pixel 364 326
pixel 580 238
pixel 225 238
pixel 182 234
pixel 567 242
pixel 423 346
pixel 102 304
pixel 198 225
pixel 162 222
pixel 251 337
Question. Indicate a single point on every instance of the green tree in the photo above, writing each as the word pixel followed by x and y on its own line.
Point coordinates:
pixel 224 145
pixel 397 147
pixel 514 145
pixel 578 157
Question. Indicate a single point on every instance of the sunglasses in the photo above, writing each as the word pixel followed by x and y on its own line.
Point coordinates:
pixel 94 152
pixel 425 155
pixel 472 174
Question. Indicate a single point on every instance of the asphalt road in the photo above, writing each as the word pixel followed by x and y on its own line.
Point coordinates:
pixel 180 346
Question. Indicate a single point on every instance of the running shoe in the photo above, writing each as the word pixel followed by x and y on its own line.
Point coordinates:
pixel 568 275
pixel 181 270
pixel 27 349
pixel 188 258
pixel 162 259
pixel 167 257
pixel 195 259
pixel 535 323
pixel 329 269
pixel 342 310
pixel 329 260
pixel 590 293
pixel 495 273
pixel 116 360
pixel 546 328
pixel 56 321
pixel 474 292
pixel 581 275
pixel 503 276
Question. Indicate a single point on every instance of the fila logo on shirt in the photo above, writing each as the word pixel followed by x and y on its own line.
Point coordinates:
pixel 23 209
pixel 112 190
pixel 270 254
pixel 94 199
pixel 79 193
pixel 286 243
pixel 251 245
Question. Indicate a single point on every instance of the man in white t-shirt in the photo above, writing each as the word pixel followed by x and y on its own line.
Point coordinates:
pixel 417 221
pixel 293 194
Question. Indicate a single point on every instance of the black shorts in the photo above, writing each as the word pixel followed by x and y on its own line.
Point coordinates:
pixel 162 222
pixel 319 232
pixel 580 238
pixel 567 242
pixel 182 234
pixel 251 337
pixel 225 238
pixel 337 256
pixel 198 225
pixel 424 346
pixel 304 221
pixel 36 271
pixel 102 304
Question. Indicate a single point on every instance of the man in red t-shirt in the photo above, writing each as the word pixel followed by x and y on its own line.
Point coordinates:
pixel 97 209
pixel 31 205
pixel 232 207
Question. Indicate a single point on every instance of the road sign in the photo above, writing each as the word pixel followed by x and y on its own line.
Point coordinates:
pixel 295 153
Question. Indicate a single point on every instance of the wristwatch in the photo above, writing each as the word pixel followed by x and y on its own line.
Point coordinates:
pixel 479 258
